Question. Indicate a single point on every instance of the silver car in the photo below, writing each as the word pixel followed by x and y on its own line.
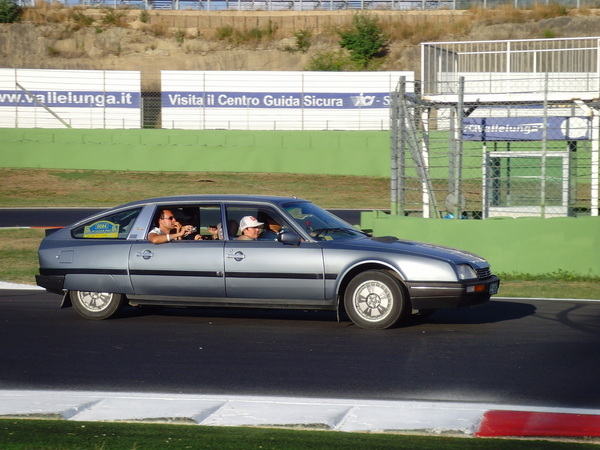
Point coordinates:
pixel 308 259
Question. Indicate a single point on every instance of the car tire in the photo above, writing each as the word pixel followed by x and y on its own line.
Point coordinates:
pixel 374 300
pixel 96 305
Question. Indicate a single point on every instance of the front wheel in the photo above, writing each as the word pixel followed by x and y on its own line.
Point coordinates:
pixel 96 305
pixel 374 300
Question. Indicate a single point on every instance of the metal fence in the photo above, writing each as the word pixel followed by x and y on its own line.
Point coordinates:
pixel 484 160
pixel 310 5
pixel 511 69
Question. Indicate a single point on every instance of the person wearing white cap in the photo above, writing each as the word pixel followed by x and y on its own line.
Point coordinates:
pixel 250 228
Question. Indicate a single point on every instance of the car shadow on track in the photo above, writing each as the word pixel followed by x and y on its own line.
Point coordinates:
pixel 229 313
pixel 495 311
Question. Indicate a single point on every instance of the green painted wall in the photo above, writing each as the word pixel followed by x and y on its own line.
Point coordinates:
pixel 528 245
pixel 525 245
pixel 362 153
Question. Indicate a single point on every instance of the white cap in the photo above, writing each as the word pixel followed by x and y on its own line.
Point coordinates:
pixel 249 222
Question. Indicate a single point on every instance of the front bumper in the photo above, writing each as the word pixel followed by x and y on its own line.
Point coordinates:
pixel 52 283
pixel 452 295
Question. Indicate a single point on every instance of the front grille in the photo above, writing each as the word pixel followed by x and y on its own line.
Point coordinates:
pixel 484 273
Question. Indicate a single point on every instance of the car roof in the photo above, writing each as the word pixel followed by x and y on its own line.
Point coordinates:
pixel 214 198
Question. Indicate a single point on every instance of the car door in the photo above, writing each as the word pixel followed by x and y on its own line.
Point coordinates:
pixel 178 268
pixel 181 268
pixel 270 270
pixel 266 269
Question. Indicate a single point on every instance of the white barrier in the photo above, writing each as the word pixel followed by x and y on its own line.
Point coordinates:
pixel 34 98
pixel 260 100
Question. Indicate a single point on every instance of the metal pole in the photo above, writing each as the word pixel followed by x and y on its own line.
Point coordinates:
pixel 394 154
pixel 35 100
pixel 544 150
pixel 595 190
pixel 458 149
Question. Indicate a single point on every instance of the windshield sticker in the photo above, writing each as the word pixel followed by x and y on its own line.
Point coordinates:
pixel 102 229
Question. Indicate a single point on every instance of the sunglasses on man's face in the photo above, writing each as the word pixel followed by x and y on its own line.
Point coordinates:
pixel 168 218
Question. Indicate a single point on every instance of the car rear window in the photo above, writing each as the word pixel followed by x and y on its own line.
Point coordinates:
pixel 112 226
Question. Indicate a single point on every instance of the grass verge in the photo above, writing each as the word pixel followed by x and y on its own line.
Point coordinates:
pixel 61 188
pixel 62 434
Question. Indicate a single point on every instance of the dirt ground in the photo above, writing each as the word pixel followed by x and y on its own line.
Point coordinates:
pixel 193 40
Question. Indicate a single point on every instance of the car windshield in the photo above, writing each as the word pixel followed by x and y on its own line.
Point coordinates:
pixel 321 224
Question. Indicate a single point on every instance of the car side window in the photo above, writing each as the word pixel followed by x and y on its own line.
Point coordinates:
pixel 210 227
pixel 112 226
pixel 204 220
pixel 271 221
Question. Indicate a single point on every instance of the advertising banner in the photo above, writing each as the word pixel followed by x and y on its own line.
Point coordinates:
pixel 526 128
pixel 278 100
pixel 36 98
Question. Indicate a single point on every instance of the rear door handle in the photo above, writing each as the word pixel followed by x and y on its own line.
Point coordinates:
pixel 146 254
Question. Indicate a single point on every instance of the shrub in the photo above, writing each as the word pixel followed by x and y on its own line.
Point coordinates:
pixel 114 17
pixel 180 36
pixel 144 16
pixel 224 33
pixel 52 51
pixel 9 11
pixel 253 35
pixel 80 20
pixel 365 41
pixel 303 40
pixel 328 62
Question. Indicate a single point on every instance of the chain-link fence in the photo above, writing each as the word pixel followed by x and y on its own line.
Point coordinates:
pixel 494 159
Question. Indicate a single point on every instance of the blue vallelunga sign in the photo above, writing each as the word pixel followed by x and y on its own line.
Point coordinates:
pixel 525 128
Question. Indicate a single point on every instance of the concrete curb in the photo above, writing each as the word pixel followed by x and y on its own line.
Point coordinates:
pixel 15 286
pixel 470 419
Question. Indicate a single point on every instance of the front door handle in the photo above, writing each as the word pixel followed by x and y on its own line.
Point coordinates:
pixel 238 256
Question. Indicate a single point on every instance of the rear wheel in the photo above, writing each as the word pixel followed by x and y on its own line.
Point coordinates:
pixel 374 300
pixel 96 305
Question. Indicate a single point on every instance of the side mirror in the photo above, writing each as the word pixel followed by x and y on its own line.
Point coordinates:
pixel 288 238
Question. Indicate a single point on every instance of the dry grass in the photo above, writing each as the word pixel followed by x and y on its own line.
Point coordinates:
pixel 427 30
pixel 43 13
pixel 46 187
pixel 18 250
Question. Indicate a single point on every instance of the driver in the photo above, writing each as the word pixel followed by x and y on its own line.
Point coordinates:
pixel 164 231
pixel 272 229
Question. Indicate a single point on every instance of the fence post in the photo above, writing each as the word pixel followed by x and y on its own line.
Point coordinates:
pixel 394 150
pixel 544 150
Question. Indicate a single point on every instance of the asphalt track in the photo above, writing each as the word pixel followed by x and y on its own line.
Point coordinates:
pixel 470 419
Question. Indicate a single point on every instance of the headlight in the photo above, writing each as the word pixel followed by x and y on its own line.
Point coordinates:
pixel 465 272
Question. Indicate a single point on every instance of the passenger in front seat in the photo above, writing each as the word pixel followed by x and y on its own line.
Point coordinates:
pixel 250 228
